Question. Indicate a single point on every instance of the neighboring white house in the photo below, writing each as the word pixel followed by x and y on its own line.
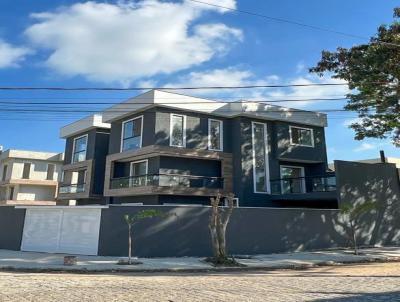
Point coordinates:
pixel 28 177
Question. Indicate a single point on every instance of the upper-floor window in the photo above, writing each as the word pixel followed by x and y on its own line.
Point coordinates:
pixel 301 136
pixel 79 150
pixel 4 176
pixel 26 171
pixel 215 135
pixel 178 131
pixel 260 158
pixel 131 138
pixel 50 171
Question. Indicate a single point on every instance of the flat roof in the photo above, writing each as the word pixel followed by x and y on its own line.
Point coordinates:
pixel 36 155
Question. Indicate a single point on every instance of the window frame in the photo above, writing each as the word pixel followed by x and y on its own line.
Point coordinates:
pixel 74 145
pixel 47 171
pixel 302 173
pixel 136 162
pixel 221 134
pixel 267 172
pixel 302 128
pixel 30 170
pixel 4 172
pixel 183 130
pixel 123 132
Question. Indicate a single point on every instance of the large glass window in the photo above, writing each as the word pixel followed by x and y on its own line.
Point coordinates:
pixel 80 146
pixel 138 173
pixel 292 179
pixel 178 135
pixel 132 134
pixel 215 133
pixel 260 163
pixel 301 136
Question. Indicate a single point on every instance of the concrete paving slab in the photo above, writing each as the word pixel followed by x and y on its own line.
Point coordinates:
pixel 16 260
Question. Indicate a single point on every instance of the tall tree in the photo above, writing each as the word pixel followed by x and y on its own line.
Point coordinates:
pixel 372 72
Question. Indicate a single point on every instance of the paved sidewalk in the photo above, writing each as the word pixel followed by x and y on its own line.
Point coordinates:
pixel 15 260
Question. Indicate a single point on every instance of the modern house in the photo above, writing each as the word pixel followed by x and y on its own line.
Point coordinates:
pixel 168 148
pixel 28 177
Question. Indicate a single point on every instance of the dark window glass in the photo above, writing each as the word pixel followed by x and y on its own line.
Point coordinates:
pixel 132 134
pixel 79 152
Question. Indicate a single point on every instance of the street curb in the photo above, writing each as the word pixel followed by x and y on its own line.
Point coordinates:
pixel 304 266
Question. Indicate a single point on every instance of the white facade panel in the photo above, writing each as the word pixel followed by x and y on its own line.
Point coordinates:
pixel 62 230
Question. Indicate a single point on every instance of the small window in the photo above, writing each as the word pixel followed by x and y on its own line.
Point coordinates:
pixel 27 171
pixel 215 135
pixel 50 171
pixel 138 173
pixel 4 176
pixel 80 146
pixel 132 134
pixel 301 136
pixel 178 131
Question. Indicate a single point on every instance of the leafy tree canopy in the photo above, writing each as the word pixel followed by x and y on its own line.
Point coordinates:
pixel 372 72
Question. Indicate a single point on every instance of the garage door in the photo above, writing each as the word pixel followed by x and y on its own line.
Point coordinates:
pixel 71 231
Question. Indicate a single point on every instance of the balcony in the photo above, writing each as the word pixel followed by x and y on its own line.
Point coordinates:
pixel 166 184
pixel 72 189
pixel 168 180
pixel 303 185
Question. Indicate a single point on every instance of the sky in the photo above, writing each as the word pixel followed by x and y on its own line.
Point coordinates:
pixel 154 43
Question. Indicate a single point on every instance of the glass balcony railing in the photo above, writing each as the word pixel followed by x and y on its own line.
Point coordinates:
pixel 73 188
pixel 168 180
pixel 302 185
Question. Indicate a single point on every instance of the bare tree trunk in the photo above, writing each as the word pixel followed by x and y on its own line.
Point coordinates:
pixel 353 231
pixel 129 245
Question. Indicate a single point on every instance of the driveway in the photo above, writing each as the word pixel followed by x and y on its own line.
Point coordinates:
pixel 368 282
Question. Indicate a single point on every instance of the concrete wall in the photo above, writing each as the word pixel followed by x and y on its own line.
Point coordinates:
pixel 11 227
pixel 363 182
pixel 38 169
pixel 39 193
pixel 251 231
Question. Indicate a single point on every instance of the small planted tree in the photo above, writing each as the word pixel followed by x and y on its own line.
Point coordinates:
pixel 218 223
pixel 135 218
pixel 352 213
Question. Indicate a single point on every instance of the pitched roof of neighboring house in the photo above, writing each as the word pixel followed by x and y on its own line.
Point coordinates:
pixel 153 98
pixel 35 155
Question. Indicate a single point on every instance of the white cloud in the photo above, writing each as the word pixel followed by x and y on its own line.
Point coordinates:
pixel 11 56
pixel 235 76
pixel 130 40
pixel 365 147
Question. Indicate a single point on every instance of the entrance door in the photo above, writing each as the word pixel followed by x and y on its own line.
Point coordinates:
pixel 292 179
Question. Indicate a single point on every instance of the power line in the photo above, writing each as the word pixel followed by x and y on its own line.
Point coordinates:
pixel 172 103
pixel 171 88
pixel 315 27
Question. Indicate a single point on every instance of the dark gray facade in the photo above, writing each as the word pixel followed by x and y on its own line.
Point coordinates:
pixel 94 165
pixel 237 140
pixel 11 227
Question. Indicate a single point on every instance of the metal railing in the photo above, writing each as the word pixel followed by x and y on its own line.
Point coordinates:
pixel 72 188
pixel 302 185
pixel 168 180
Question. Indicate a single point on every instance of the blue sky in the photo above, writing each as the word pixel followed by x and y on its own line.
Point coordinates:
pixel 151 43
